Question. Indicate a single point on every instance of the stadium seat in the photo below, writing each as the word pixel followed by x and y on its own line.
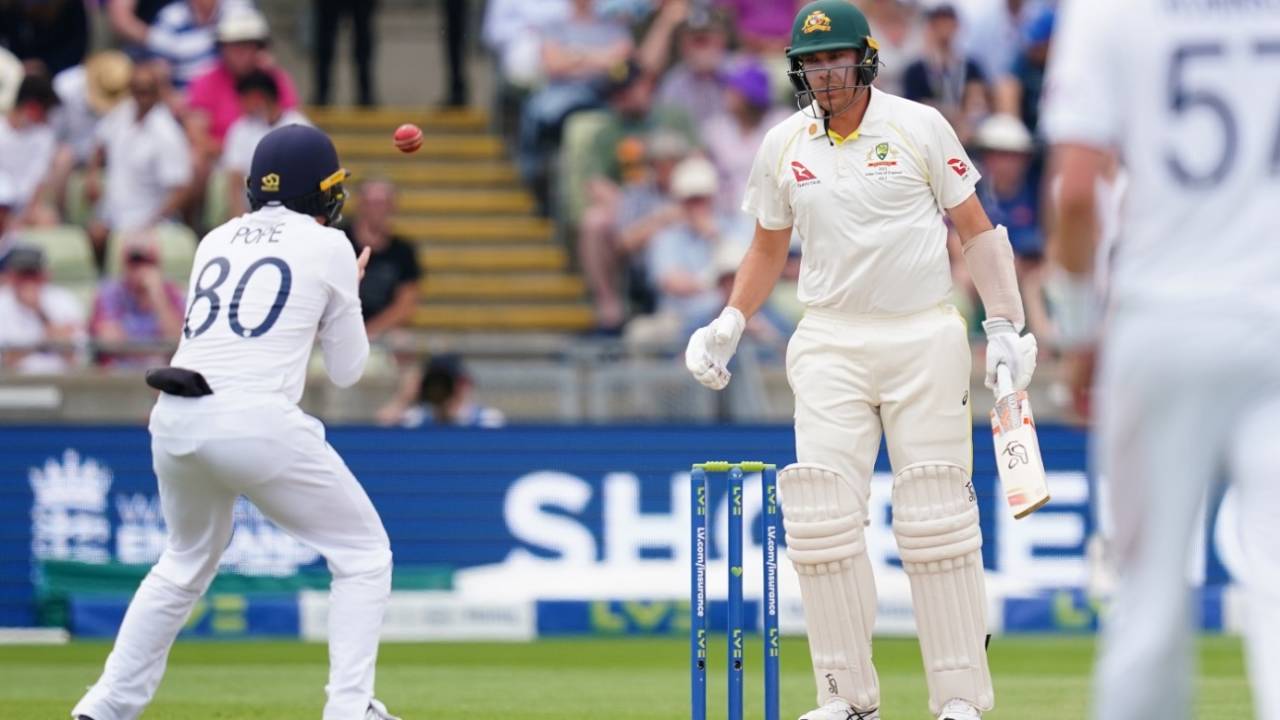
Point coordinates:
pixel 68 251
pixel 177 245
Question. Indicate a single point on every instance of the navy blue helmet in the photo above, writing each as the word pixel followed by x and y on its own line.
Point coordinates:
pixel 297 166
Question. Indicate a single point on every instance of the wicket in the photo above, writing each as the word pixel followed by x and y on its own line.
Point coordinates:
pixel 698 607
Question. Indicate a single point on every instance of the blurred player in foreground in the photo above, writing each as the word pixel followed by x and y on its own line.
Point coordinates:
pixel 264 287
pixel 868 180
pixel 1186 92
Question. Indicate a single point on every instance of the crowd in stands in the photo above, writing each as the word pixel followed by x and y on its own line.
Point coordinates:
pixel 635 122
pixel 114 160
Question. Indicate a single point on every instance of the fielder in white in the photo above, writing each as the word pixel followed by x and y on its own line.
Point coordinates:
pixel 868 181
pixel 1187 92
pixel 263 288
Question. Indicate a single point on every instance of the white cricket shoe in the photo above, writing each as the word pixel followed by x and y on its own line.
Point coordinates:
pixel 957 709
pixel 378 711
pixel 837 709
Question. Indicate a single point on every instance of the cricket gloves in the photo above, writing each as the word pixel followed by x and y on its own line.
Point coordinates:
pixel 1016 352
pixel 710 348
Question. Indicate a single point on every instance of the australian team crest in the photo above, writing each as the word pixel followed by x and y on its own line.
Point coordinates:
pixel 882 161
pixel 816 22
pixel 882 150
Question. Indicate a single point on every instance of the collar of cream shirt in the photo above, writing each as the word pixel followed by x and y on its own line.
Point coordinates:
pixel 873 121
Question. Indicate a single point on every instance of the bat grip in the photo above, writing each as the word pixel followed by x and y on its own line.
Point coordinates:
pixel 1004 383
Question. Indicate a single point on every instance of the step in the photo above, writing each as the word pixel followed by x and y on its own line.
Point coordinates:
pixel 352 148
pixel 524 317
pixel 356 119
pixel 472 230
pixel 493 259
pixel 442 174
pixel 530 286
pixel 461 202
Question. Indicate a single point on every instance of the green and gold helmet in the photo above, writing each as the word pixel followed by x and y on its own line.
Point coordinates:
pixel 826 25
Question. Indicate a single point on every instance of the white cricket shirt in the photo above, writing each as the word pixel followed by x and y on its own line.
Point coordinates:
pixel 1194 109
pixel 147 159
pixel 263 287
pixel 868 210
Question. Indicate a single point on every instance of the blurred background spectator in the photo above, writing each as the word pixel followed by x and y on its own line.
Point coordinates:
pixel 764 26
pixel 614 237
pixel 143 153
pixel 27 146
pixel 734 134
pixel 261 112
pixel 41 324
pixel 11 72
pixel 87 92
pixel 328 16
pixel 184 36
pixel 897 27
pixel 1005 150
pixel 696 82
pixel 389 290
pixel 139 307
pixel 945 78
pixel 682 256
pixel 131 20
pixel 455 41
pixel 49 36
pixel 992 32
pixel 1018 92
pixel 8 199
pixel 577 54
pixel 442 392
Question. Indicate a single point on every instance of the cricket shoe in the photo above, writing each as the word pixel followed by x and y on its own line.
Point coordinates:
pixel 957 709
pixel 378 711
pixel 837 709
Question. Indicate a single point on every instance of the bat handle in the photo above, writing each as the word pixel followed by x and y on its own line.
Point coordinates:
pixel 1004 383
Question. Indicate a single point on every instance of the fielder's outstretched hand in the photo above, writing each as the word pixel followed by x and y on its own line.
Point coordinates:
pixel 711 347
pixel 1018 353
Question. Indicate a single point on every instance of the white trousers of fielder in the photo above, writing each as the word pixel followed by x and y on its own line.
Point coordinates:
pixel 1186 397
pixel 205 454
pixel 906 376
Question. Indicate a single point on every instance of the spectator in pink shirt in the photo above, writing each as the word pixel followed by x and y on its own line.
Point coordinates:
pixel 212 97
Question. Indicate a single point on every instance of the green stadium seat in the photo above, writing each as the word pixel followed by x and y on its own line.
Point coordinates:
pixel 68 251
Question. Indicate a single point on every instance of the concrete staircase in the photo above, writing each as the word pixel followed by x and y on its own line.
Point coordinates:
pixel 492 265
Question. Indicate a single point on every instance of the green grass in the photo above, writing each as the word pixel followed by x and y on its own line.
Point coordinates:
pixel 1045 678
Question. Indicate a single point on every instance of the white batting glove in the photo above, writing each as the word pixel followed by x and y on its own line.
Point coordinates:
pixel 1017 353
pixel 710 348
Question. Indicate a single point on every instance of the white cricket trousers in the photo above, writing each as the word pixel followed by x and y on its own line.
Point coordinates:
pixel 206 452
pixel 1186 396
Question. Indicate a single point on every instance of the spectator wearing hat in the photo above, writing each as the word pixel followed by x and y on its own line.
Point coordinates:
pixel 87 92
pixel 139 307
pixel 40 324
pixel 27 146
pixel 944 78
pixel 681 257
pixel 144 153
pixel 1005 152
pixel 184 36
pixel 389 290
pixel 733 136
pixel 262 112
pixel 613 237
pixel 213 100
pixel 49 36
pixel 442 393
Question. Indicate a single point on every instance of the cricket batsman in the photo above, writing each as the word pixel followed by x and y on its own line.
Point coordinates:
pixel 1188 393
pixel 868 181
pixel 264 287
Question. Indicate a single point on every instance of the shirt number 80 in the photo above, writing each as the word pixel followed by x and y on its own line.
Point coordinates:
pixel 209 293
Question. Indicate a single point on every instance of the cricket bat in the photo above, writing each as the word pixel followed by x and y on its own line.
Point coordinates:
pixel 1017 448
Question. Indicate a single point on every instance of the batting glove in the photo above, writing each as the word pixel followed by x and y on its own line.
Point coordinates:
pixel 1005 346
pixel 710 348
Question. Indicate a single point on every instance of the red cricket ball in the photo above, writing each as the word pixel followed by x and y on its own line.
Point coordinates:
pixel 408 138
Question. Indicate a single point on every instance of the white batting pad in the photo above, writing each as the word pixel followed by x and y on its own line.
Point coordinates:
pixel 824 515
pixel 935 519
